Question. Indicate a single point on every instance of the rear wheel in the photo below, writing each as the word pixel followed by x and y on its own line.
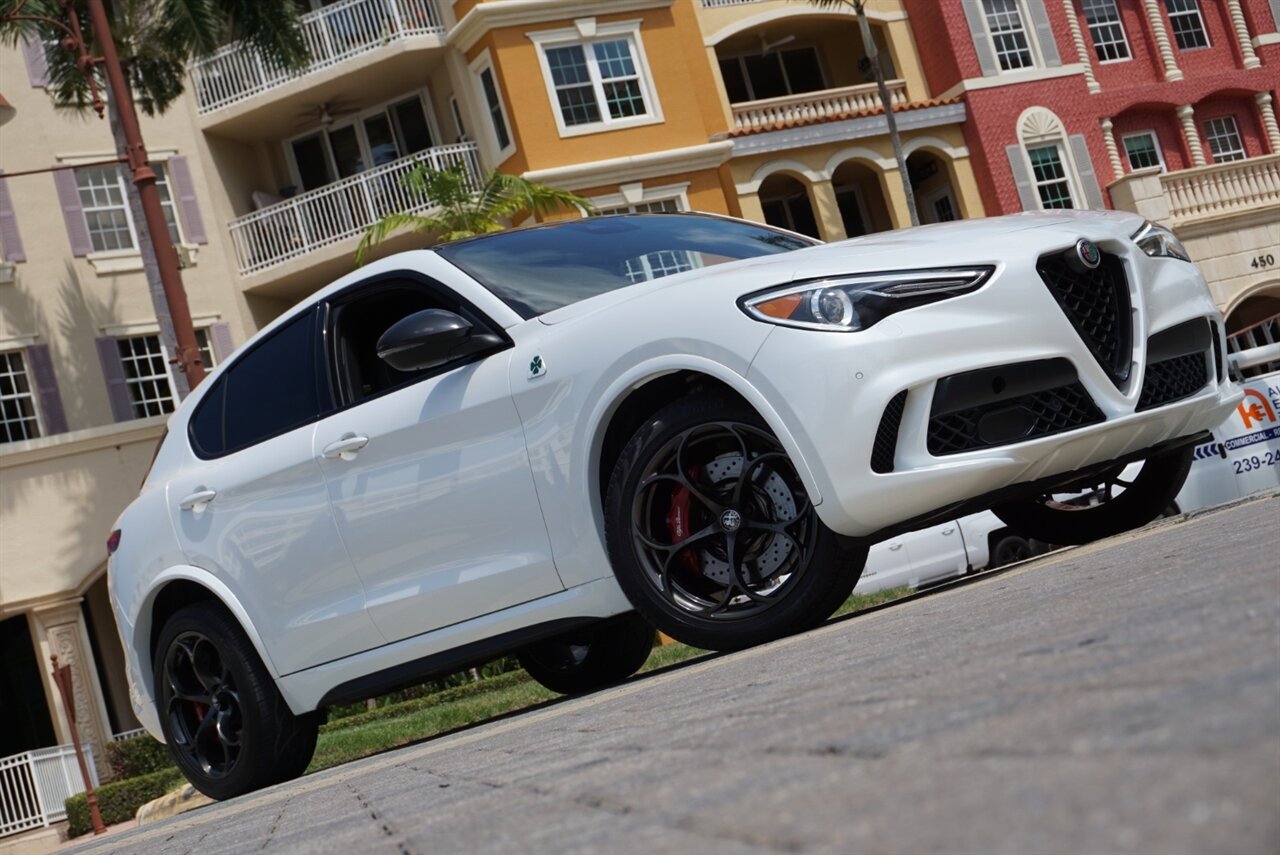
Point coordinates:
pixel 227 727
pixel 712 534
pixel 592 657
pixel 1104 506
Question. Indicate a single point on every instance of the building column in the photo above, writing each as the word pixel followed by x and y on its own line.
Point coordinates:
pixel 895 199
pixel 1171 70
pixel 826 211
pixel 59 628
pixel 1267 108
pixel 1113 151
pixel 1082 49
pixel 1191 134
pixel 751 208
pixel 1241 28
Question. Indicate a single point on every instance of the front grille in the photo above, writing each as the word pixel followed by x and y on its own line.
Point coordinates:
pixel 1172 380
pixel 1097 304
pixel 886 444
pixel 1042 413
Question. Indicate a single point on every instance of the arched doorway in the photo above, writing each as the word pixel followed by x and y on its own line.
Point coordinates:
pixel 931 183
pixel 1255 322
pixel 861 199
pixel 785 201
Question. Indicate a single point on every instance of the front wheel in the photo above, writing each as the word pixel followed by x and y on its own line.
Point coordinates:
pixel 712 535
pixel 227 727
pixel 1115 502
pixel 592 657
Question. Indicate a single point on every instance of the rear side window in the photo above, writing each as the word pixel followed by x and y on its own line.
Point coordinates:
pixel 269 390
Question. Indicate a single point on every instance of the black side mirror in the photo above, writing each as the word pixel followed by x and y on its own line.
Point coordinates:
pixel 431 338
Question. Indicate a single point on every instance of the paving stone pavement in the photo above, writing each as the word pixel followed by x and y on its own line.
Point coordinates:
pixel 1120 697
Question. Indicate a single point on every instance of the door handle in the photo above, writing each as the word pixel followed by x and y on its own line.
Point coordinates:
pixel 345 448
pixel 198 500
pixel 949 530
pixel 895 546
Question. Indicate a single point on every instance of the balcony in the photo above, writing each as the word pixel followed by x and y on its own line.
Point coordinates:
pixel 808 107
pixel 1222 189
pixel 1203 194
pixel 338 34
pixel 337 212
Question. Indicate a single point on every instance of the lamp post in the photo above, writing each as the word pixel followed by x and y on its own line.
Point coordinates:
pixel 62 677
pixel 135 154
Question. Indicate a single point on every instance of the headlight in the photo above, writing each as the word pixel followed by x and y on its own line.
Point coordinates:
pixel 1159 242
pixel 849 303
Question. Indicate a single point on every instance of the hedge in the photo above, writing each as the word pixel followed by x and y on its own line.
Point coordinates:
pixel 140 755
pixel 120 800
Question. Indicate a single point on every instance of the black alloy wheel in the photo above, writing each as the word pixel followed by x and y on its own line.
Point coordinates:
pixel 1102 506
pixel 203 709
pixel 591 657
pixel 227 727
pixel 713 535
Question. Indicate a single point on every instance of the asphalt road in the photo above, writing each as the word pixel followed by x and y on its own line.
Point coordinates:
pixel 1121 697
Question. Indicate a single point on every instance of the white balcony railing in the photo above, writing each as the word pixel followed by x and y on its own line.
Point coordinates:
pixel 1223 188
pixel 337 211
pixel 332 34
pixel 35 785
pixel 712 4
pixel 814 106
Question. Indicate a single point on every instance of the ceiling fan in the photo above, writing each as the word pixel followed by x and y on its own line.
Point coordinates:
pixel 324 114
pixel 767 46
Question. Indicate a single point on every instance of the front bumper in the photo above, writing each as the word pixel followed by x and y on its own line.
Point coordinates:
pixel 832 389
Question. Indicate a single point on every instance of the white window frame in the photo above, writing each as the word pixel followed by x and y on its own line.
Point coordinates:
pixel 1033 47
pixel 585 33
pixel 31 395
pixel 362 139
pixel 858 199
pixel 630 196
pixel 1112 6
pixel 1198 14
pixel 458 124
pixel 1068 172
pixel 1155 141
pixel 482 63
pixel 132 382
pixel 163 177
pixel 935 196
pixel 1240 153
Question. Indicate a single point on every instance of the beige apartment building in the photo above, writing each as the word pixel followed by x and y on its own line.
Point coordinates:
pixel 760 108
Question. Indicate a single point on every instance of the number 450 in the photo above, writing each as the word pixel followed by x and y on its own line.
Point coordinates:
pixel 1263 261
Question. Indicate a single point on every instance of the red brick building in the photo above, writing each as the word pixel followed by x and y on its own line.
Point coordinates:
pixel 1163 106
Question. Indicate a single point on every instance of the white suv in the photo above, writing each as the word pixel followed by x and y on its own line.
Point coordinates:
pixel 517 442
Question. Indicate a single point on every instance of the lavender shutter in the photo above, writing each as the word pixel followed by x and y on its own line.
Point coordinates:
pixel 220 333
pixel 37 63
pixel 10 239
pixel 184 191
pixel 72 212
pixel 113 373
pixel 41 366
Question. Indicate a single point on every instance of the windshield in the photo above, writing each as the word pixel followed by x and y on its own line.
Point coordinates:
pixel 539 269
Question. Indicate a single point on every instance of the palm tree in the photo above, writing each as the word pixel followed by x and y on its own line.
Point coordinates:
pixel 157 40
pixel 873 56
pixel 465 210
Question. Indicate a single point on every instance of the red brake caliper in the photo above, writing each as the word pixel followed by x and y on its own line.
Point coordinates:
pixel 678 524
pixel 200 709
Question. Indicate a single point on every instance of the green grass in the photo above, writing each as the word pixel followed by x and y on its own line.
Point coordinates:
pixel 392 725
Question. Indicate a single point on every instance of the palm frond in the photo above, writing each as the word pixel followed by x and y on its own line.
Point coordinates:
pixel 391 223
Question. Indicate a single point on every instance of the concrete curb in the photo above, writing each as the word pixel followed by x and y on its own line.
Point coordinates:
pixel 178 801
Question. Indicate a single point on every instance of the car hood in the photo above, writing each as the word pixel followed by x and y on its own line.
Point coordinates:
pixel 962 242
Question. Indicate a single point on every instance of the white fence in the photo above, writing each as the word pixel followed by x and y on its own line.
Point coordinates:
pixel 332 34
pixel 770 113
pixel 337 211
pixel 35 784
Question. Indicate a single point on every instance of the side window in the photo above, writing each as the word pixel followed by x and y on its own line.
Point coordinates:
pixel 359 320
pixel 269 390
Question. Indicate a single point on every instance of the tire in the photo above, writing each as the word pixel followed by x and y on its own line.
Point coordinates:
pixel 207 670
pixel 1103 512
pixel 1010 549
pixel 592 657
pixel 706 472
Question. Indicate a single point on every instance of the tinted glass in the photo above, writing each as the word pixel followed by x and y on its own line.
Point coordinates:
pixel 539 269
pixel 207 431
pixel 272 388
pixel 803 72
